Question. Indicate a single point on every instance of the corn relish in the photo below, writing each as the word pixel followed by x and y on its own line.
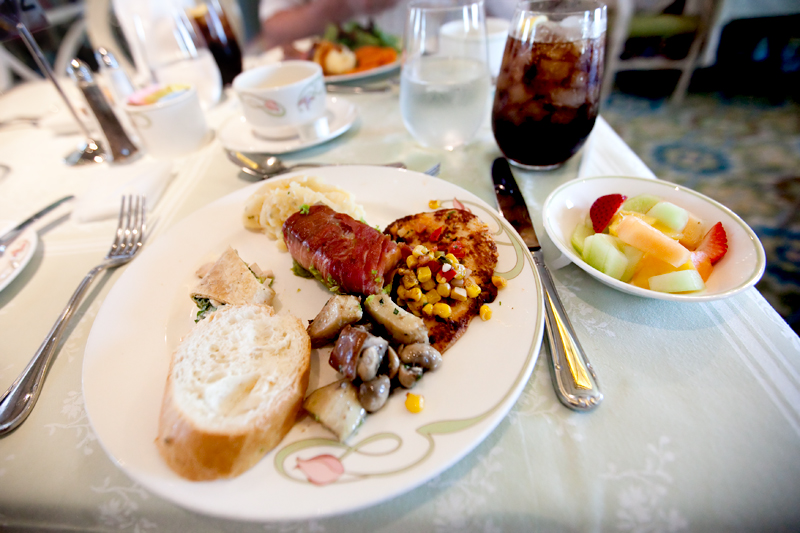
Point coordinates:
pixel 433 280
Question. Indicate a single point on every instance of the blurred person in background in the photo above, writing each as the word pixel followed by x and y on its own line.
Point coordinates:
pixel 285 21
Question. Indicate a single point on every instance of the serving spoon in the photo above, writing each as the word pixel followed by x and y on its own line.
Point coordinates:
pixel 272 166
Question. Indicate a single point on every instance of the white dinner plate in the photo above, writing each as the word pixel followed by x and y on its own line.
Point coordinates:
pixel 17 255
pixel 235 134
pixel 363 75
pixel 148 311
pixel 742 266
pixel 275 55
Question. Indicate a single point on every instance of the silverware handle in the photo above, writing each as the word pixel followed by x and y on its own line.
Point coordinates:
pixel 573 376
pixel 18 401
pixel 14 233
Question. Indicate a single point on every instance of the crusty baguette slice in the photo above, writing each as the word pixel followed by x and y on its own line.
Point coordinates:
pixel 235 385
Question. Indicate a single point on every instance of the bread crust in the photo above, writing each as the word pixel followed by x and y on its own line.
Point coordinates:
pixel 202 453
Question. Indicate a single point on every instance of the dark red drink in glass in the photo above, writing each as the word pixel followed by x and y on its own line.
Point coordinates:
pixel 213 25
pixel 548 89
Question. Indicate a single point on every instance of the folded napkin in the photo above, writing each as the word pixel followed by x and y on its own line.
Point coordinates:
pixel 606 154
pixel 107 184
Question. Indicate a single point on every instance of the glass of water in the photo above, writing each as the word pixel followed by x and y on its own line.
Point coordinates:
pixel 444 83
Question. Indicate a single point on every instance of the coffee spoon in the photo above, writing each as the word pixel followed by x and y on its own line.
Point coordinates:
pixel 272 166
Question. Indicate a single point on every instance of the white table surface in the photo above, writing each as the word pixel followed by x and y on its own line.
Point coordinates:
pixel 699 430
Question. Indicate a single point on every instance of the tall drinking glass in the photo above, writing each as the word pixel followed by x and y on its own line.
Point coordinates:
pixel 444 84
pixel 212 23
pixel 548 89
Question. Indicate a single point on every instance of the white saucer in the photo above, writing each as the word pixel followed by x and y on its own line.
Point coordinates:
pixel 18 254
pixel 235 134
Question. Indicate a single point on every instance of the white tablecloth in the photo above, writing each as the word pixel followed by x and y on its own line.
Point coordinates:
pixel 699 430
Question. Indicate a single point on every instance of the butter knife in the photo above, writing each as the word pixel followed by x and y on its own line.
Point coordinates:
pixel 574 378
pixel 8 237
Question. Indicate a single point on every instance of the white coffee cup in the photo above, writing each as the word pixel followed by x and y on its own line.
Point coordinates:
pixel 283 100
pixel 462 43
pixel 170 127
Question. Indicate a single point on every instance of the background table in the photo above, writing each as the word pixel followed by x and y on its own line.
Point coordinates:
pixel 699 430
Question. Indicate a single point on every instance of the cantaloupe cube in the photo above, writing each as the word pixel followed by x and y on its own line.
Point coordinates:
pixel 702 263
pixel 634 231
pixel 693 233
pixel 648 267
pixel 617 218
pixel 651 266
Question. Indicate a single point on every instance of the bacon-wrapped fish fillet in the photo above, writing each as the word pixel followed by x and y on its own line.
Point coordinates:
pixel 346 255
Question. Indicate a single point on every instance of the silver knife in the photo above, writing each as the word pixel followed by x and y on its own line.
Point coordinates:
pixel 574 378
pixel 13 233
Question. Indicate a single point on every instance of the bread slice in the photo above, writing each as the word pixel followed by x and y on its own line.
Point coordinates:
pixel 235 385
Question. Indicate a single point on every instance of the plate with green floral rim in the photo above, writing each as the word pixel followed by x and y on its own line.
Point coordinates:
pixel 309 474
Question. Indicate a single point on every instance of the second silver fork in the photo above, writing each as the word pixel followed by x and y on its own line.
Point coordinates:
pixel 18 401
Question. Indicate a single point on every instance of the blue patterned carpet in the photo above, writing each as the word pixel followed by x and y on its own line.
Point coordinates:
pixel 745 153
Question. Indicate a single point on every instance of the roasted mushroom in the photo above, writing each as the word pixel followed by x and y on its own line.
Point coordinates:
pixel 339 311
pixel 373 394
pixel 404 327
pixel 408 375
pixel 372 352
pixel 421 355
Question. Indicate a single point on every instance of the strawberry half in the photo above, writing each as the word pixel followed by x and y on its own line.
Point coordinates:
pixel 603 210
pixel 714 243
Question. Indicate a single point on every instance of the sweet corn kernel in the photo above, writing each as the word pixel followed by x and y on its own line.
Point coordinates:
pixel 499 281
pixel 411 261
pixel 423 274
pixel 428 285
pixel 414 294
pixel 461 271
pixel 414 402
pixel 443 289
pixel 486 312
pixel 434 204
pixel 432 296
pixel 473 291
pixel 419 250
pixel 442 310
pixel 401 292
pixel 458 294
pixel 414 306
pixel 453 259
pixel 409 280
pixel 428 309
pixel 440 278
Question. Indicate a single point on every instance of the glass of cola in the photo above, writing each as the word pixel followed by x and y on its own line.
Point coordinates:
pixel 548 89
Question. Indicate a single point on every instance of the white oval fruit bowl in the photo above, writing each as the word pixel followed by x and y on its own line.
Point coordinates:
pixel 740 268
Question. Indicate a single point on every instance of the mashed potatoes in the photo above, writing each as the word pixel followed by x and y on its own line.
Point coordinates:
pixel 269 207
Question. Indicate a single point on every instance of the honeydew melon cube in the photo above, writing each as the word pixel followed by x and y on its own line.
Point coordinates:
pixel 670 215
pixel 579 235
pixel 641 203
pixel 634 256
pixel 641 235
pixel 601 252
pixel 680 281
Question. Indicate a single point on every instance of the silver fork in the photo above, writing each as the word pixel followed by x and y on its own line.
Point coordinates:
pixel 434 170
pixel 18 401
